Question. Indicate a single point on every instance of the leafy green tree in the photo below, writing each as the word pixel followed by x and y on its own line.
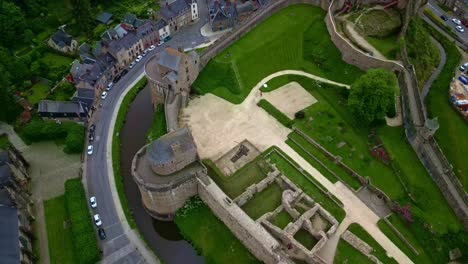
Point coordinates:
pixel 372 95
pixel 83 15
pixel 9 109
pixel 12 24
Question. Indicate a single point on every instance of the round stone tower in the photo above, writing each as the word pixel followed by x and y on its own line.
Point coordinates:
pixel 165 171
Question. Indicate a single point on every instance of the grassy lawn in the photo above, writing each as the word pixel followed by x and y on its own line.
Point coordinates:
pixel 345 253
pixel 37 93
pixel 300 41
pixel 116 148
pixel 235 184
pixel 305 238
pixel 277 114
pixel 4 143
pixel 308 184
pixel 56 61
pixel 158 127
pixel 263 202
pixel 58 233
pixel 453 129
pixel 388 46
pixel 378 251
pixel 209 235
pixel 282 219
pixel 62 92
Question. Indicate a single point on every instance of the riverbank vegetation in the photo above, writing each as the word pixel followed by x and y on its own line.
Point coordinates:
pixel 158 126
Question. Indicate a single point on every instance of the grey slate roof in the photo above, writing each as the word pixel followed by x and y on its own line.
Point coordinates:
pixel 61 38
pixel 171 76
pixel 168 60
pixel 9 232
pixel 145 28
pixel 160 24
pixel 104 17
pixel 247 6
pixel 129 18
pixel 174 9
pixel 161 150
pixel 47 106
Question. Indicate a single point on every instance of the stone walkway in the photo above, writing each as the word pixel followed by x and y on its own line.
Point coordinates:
pixel 217 126
pixel 362 41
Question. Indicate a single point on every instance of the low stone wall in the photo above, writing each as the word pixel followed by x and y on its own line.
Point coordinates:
pixel 359 245
pixel 257 240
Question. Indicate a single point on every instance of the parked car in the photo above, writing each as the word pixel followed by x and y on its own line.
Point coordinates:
pixel 91 137
pixel 117 78
pixel 166 39
pixel 160 42
pixel 90 150
pixel 145 52
pixel 97 220
pixel 456 21
pixel 93 202
pixel 109 86
pixel 152 47
pixel 460 29
pixel 102 234
pixel 444 17
pixel 103 95
pixel 132 64
pixel 139 58
pixel 92 128
pixel 125 71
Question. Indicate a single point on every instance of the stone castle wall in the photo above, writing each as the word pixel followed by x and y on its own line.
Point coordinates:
pixel 257 240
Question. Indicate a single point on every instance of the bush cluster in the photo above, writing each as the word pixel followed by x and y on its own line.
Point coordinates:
pixel 282 118
pixel 84 240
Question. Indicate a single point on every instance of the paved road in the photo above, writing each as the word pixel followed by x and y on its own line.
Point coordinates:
pixel 439 12
pixel 118 248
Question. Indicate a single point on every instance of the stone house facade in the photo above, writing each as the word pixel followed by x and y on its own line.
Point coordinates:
pixel 63 42
pixel 179 13
pixel 15 209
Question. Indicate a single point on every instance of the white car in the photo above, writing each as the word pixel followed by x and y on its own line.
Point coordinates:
pixel 160 43
pixel 103 95
pixel 145 52
pixel 139 58
pixel 460 29
pixel 93 202
pixel 132 64
pixel 456 21
pixel 90 150
pixel 152 47
pixel 109 86
pixel 97 220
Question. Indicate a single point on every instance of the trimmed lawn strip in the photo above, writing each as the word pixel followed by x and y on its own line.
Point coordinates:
pixel 348 179
pixel 282 219
pixel 37 93
pixel 59 233
pixel 158 127
pixel 453 129
pixel 209 235
pixel 116 148
pixel 308 184
pixel 263 202
pixel 388 46
pixel 274 112
pixel 345 253
pixel 4 143
pixel 234 185
pixel 300 40
pixel 378 251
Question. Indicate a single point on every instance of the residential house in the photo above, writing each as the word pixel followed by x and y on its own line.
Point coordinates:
pixel 104 18
pixel 62 42
pixel 179 13
pixel 223 15
pixel 163 29
pixel 124 49
pixel 148 33
pixel 62 111
pixel 15 210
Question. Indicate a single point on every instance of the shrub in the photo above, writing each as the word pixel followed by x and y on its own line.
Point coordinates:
pixel 277 114
pixel 84 239
pixel 74 141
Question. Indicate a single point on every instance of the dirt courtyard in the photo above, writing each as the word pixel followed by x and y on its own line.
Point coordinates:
pixel 290 98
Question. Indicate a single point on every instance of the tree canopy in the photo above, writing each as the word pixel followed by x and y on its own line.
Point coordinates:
pixel 372 95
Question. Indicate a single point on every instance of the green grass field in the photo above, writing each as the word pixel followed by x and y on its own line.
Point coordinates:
pixel 56 61
pixel 345 253
pixel 4 143
pixel 158 126
pixel 305 238
pixel 209 235
pixel 388 46
pixel 37 93
pixel 263 202
pixel 59 235
pixel 378 251
pixel 282 219
pixel 293 38
pixel 235 184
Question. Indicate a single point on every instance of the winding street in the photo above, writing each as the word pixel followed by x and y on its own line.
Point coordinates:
pixel 123 245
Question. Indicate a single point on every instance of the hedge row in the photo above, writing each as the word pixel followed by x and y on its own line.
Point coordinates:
pixel 277 114
pixel 84 239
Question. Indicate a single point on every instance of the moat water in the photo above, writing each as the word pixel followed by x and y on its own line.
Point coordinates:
pixel 163 237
